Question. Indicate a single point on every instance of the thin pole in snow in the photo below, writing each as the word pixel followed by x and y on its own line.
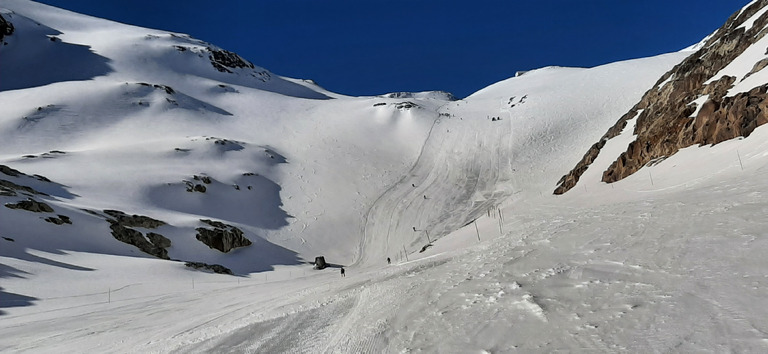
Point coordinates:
pixel 740 164
pixel 650 175
pixel 427 231
pixel 476 230
pixel 406 253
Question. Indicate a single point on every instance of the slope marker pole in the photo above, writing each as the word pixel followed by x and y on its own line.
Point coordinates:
pixel 476 230
pixel 650 175
pixel 740 164
pixel 406 253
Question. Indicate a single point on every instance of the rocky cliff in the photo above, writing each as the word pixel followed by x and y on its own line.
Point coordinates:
pixel 694 103
pixel 6 28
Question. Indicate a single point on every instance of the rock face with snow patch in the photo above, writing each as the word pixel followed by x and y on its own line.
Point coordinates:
pixel 222 59
pixel 668 119
pixel 31 205
pixel 216 268
pixel 134 220
pixel 136 238
pixel 6 28
pixel 222 237
pixel 121 227
pixel 59 220
pixel 9 189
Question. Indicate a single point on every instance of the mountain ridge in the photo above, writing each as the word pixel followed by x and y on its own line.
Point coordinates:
pixel 689 105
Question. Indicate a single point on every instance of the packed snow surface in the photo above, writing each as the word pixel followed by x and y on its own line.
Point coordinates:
pixel 457 194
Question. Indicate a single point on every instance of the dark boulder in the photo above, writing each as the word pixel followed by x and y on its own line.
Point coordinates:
pixel 222 237
pixel 136 238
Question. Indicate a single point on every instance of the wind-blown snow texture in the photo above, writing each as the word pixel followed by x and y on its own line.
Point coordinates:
pixel 670 259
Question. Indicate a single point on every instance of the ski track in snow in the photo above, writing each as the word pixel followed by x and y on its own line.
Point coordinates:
pixel 567 282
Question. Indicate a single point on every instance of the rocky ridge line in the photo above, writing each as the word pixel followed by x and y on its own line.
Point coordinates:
pixel 664 123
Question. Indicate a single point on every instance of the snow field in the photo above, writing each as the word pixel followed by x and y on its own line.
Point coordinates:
pixel 670 259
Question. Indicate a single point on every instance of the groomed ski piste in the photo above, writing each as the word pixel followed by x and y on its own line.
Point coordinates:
pixel 671 259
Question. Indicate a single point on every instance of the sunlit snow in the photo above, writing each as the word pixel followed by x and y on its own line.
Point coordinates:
pixel 457 194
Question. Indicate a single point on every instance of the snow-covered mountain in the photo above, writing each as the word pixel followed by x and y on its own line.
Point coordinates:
pixel 136 162
pixel 716 94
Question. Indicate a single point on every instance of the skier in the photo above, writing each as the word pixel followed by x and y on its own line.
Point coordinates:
pixel 389 261
pixel 342 272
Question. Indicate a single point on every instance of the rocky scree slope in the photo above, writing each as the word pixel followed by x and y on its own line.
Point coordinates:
pixel 691 104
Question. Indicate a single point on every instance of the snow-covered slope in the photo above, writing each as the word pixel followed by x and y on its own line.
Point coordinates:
pixel 151 142
pixel 714 95
pixel 282 165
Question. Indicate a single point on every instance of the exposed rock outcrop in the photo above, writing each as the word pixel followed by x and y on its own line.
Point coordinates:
pixel 59 220
pixel 406 105
pixel 132 237
pixel 134 220
pixel 223 60
pixel 222 237
pixel 31 205
pixel 121 226
pixel 158 240
pixel 6 28
pixel 9 189
pixel 664 115
pixel 9 171
pixel 216 268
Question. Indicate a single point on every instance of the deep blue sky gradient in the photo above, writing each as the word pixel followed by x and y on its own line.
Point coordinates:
pixel 368 47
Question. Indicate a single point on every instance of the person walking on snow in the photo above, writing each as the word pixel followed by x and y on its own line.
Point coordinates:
pixel 389 261
pixel 342 272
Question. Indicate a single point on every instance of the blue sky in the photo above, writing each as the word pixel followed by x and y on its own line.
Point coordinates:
pixel 368 47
